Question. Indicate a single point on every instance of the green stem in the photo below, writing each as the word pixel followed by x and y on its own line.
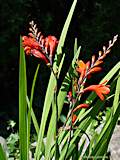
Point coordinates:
pixel 71 128
pixel 56 105
pixel 30 108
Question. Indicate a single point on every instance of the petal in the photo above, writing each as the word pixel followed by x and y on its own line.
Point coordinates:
pixel 81 64
pixel 95 69
pixel 70 93
pixel 81 106
pixel 87 65
pixel 98 63
pixel 52 41
pixel 91 88
pixel 24 38
pixel 74 117
pixel 81 76
pixel 38 54
pixel 100 95
pixel 27 50
pixel 105 90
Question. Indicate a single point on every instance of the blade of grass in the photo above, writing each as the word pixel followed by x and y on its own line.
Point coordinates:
pixel 23 106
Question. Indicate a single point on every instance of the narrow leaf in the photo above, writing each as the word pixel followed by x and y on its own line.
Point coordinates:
pixel 2 153
pixel 22 106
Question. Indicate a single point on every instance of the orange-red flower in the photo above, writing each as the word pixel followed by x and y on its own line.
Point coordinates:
pixel 41 47
pixel 31 43
pixel 50 44
pixel 93 70
pixel 82 68
pixel 100 90
pixel 80 106
pixel 31 46
pixel 74 117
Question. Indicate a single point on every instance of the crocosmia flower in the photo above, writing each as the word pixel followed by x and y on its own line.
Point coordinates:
pixel 35 44
pixel 101 90
pixel 82 68
pixel 32 47
pixel 30 42
pixel 50 44
pixel 74 117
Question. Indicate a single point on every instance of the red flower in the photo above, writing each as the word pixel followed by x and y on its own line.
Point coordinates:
pixel 93 70
pixel 31 46
pixel 100 89
pixel 80 106
pixel 74 117
pixel 50 44
pixel 30 42
pixel 82 68
pixel 40 48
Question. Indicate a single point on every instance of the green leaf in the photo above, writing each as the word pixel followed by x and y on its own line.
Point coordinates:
pixel 2 153
pixel 33 117
pixel 60 66
pixel 50 135
pixel 117 95
pixel 81 148
pixel 46 108
pixel 22 105
pixel 64 152
pixel 65 28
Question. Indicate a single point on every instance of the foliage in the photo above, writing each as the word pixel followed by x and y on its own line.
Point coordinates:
pixel 12 143
pixel 89 124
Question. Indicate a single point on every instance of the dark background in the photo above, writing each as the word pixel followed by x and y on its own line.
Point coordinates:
pixel 94 23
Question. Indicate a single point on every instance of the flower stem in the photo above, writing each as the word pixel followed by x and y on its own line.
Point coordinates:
pixel 56 105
